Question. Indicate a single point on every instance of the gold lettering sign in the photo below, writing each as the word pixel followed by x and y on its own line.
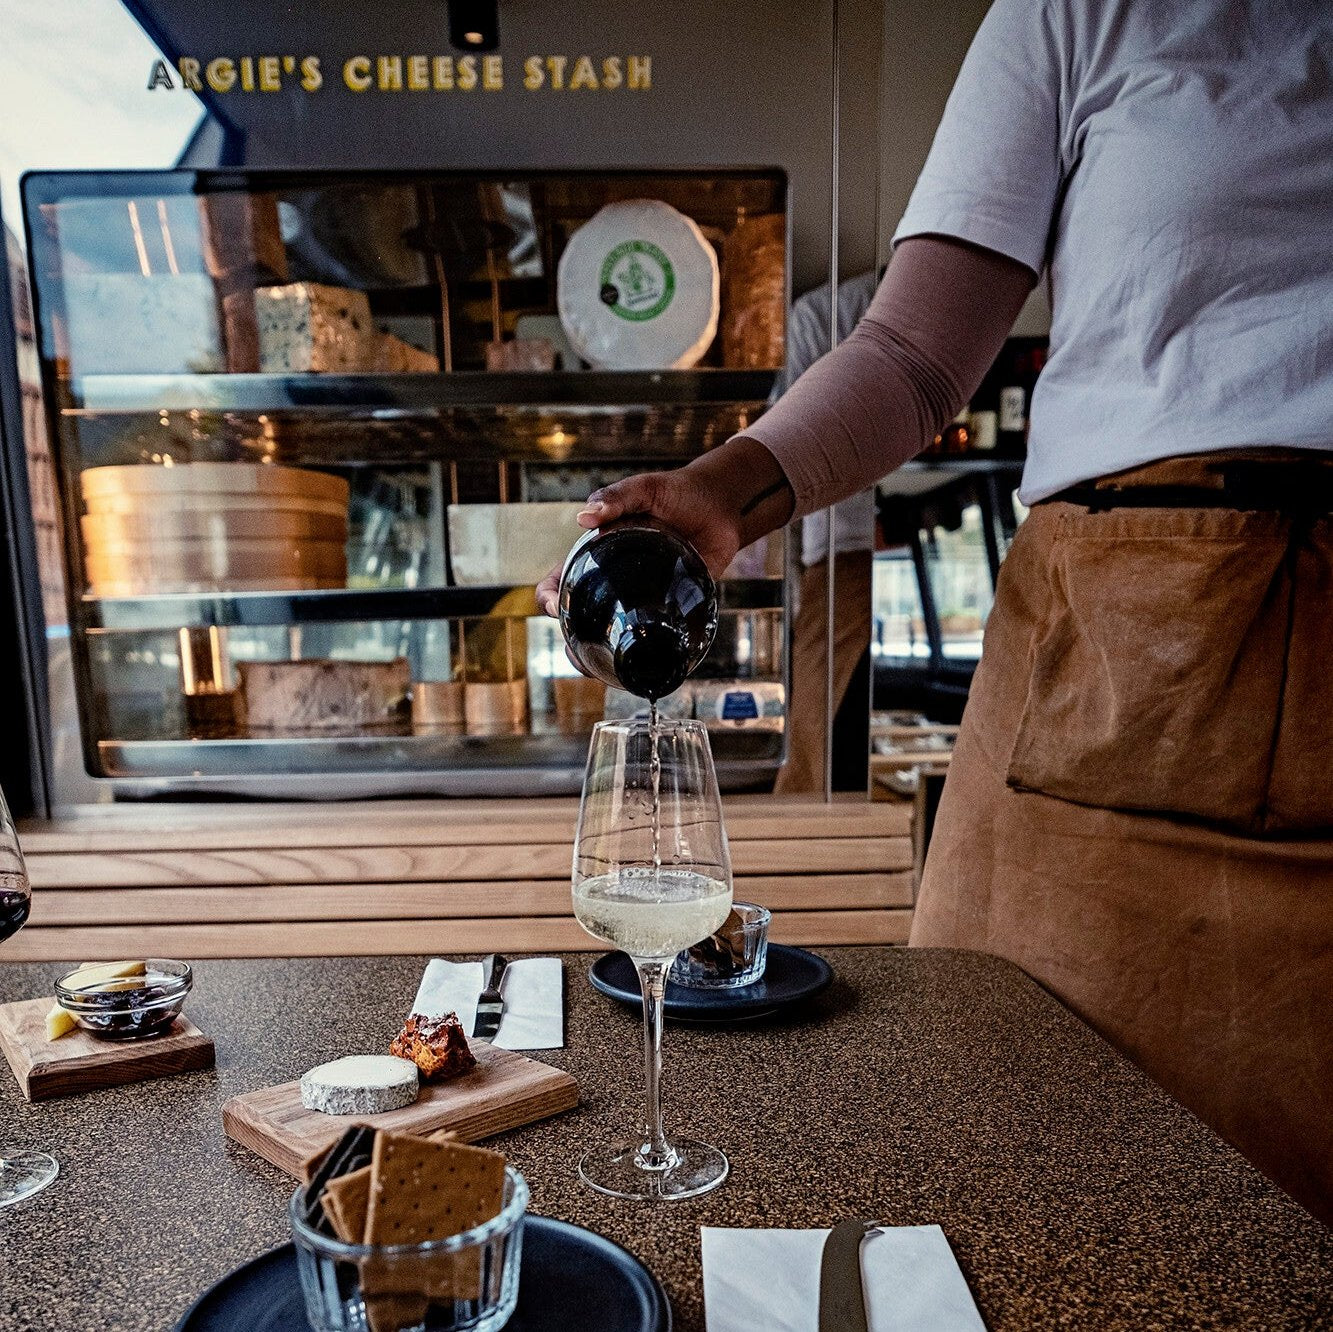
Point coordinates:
pixel 420 72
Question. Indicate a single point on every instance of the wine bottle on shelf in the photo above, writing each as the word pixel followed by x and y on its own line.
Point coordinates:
pixel 984 412
pixel 1013 418
pixel 638 607
pixel 1019 364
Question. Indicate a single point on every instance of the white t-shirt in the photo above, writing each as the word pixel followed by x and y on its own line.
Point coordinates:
pixel 809 326
pixel 1169 165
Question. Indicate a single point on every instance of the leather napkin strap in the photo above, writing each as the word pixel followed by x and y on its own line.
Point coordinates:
pixel 842 1301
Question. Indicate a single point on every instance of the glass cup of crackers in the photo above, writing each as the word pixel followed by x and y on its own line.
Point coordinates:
pixel 395 1232
pixel 735 954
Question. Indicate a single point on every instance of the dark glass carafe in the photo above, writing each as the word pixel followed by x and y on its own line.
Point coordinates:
pixel 638 607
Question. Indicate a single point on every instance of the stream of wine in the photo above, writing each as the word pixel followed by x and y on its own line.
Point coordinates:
pixel 655 774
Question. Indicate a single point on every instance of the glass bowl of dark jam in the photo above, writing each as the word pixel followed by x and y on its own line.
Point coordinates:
pixel 132 1008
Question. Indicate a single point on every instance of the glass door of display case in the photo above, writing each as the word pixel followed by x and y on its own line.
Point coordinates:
pixel 319 434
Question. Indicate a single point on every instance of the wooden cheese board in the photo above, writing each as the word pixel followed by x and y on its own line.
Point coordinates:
pixel 78 1062
pixel 505 1090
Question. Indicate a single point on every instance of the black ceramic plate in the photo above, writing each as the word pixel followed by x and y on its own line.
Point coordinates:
pixel 569 1278
pixel 791 976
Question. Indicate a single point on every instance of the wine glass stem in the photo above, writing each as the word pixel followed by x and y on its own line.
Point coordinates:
pixel 656 1153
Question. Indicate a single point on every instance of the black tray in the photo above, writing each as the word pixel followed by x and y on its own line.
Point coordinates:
pixel 570 1277
pixel 792 976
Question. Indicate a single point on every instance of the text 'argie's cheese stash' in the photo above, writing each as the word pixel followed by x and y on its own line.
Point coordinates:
pixel 400 73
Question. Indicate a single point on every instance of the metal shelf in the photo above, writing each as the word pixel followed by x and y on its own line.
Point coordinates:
pixel 922 475
pixel 171 611
pixel 608 390
pixel 305 755
pixel 963 464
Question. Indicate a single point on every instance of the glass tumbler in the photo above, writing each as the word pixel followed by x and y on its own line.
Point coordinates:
pixel 732 957
pixel 465 1283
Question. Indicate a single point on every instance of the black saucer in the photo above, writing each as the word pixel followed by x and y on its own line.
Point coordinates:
pixel 791 977
pixel 569 1277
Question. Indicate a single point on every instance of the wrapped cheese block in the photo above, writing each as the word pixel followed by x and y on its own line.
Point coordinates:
pixel 306 326
pixel 324 694
pixel 125 323
pixel 637 288
pixel 743 705
pixel 506 544
pixel 754 292
pixel 393 356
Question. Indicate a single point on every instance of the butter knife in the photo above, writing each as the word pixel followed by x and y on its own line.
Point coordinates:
pixel 842 1300
pixel 490 1004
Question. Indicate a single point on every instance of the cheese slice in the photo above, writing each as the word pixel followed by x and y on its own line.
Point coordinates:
pixel 360 1085
pixel 91 972
pixel 58 1021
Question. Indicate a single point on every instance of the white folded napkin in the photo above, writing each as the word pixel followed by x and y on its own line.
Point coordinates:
pixel 768 1281
pixel 533 991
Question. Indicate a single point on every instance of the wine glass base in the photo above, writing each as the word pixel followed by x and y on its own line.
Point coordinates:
pixel 618 1170
pixel 23 1174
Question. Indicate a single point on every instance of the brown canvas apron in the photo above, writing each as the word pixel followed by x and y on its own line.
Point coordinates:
pixel 1139 812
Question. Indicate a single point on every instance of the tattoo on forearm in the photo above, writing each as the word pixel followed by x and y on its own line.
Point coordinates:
pixel 768 492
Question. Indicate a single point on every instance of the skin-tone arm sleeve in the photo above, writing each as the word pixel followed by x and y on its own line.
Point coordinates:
pixel 935 326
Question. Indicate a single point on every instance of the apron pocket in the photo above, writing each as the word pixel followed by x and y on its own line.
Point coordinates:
pixel 1157 671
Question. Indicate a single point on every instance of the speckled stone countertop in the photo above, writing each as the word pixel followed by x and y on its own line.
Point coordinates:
pixel 922 1087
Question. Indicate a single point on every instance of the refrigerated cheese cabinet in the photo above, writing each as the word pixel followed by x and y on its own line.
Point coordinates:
pixel 316 435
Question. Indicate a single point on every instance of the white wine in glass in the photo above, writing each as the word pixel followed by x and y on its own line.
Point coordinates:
pixel 652 876
pixel 22 1173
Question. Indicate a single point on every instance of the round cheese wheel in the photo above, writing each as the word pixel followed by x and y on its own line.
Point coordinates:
pixel 360 1085
pixel 220 525
pixel 205 478
pixel 190 501
pixel 637 288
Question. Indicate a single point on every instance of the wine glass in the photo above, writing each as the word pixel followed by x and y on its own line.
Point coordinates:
pixel 22 1173
pixel 652 876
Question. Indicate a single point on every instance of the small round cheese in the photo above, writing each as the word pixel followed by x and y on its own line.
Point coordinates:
pixel 360 1085
pixel 638 288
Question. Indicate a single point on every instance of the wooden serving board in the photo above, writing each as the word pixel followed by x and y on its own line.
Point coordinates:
pixel 506 1089
pixel 78 1062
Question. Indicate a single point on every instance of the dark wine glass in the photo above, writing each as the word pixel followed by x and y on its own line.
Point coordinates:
pixel 22 1173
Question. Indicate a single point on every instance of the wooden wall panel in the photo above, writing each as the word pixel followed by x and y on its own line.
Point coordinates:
pixel 417 876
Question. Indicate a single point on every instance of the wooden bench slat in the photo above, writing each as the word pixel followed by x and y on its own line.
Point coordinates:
pixel 390 864
pixel 135 828
pixel 421 901
pixel 337 939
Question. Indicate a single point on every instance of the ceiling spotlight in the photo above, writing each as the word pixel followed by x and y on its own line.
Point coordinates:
pixel 474 25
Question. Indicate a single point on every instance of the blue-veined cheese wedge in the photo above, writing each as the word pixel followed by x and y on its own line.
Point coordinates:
pixel 638 288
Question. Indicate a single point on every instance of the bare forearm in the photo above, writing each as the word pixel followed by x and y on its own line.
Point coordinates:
pixel 935 326
pixel 755 486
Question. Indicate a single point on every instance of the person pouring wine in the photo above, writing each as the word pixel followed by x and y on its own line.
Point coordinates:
pixel 1139 811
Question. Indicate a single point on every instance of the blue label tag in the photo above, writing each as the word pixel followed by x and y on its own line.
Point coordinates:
pixel 740 706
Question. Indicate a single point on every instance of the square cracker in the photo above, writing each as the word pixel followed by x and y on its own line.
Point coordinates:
pixel 345 1201
pixel 428 1190
pixel 425 1190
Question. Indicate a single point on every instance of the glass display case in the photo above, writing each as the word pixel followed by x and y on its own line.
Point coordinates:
pixel 316 434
